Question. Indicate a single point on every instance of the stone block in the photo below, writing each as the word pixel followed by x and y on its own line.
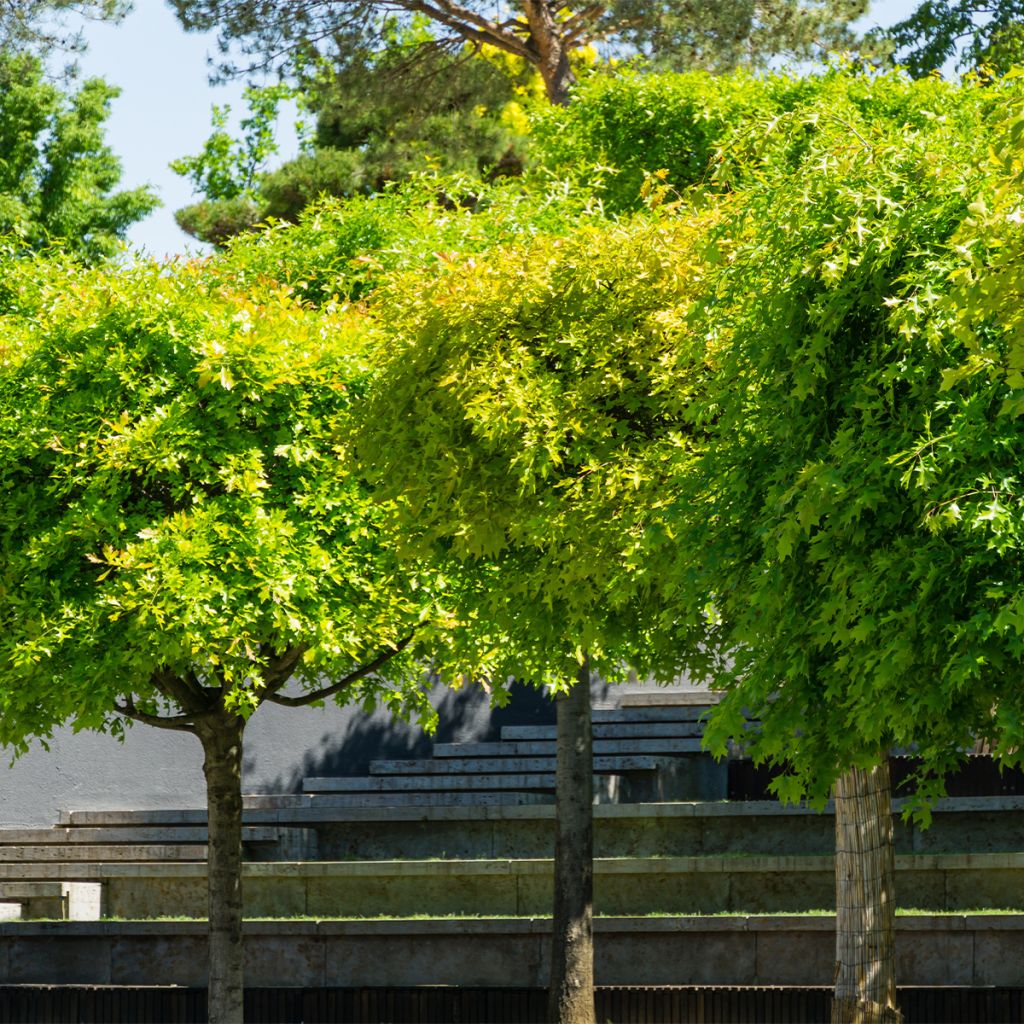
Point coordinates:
pixel 793 956
pixel 976 831
pixel 406 894
pixel 83 901
pixel 50 958
pixel 980 888
pixel 780 892
pixel 535 893
pixel 933 955
pixel 284 961
pixel 768 835
pixel 274 896
pixel 998 950
pixel 921 889
pixel 142 897
pixel 442 957
pixel 676 957
pixel 165 957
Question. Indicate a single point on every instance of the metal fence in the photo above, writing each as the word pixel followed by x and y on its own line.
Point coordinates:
pixel 30 1004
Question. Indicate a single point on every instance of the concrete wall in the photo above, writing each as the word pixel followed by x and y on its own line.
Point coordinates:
pixel 930 950
pixel 160 769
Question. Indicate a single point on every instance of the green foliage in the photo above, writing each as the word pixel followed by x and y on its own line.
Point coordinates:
pixel 228 168
pixel 179 506
pixel 531 402
pixel 347 249
pixel 978 32
pixel 628 125
pixel 861 466
pixel 58 177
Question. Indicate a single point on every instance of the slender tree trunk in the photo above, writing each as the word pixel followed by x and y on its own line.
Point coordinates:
pixel 221 737
pixel 865 981
pixel 571 991
pixel 552 56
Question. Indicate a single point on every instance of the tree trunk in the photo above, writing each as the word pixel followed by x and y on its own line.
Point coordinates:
pixel 571 990
pixel 221 737
pixel 552 57
pixel 865 980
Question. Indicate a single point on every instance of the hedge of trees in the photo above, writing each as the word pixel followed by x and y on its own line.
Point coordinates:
pixel 751 411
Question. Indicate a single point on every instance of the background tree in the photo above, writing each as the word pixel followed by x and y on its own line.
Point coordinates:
pixel 182 540
pixel 390 115
pixel 976 32
pixel 45 25
pixel 58 176
pixel 543 33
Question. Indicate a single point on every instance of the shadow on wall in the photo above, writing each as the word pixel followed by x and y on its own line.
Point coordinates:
pixel 465 715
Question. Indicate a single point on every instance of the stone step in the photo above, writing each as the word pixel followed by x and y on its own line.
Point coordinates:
pixel 628 730
pixel 143 834
pixel 534 748
pixel 493 765
pixel 106 852
pixel 636 715
pixel 671 699
pixel 452 782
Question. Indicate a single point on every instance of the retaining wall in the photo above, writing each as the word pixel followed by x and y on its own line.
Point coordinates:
pixel 968 950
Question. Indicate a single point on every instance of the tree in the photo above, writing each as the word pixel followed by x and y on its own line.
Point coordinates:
pixel 182 539
pixel 976 32
pixel 530 402
pixel 854 507
pixel 58 177
pixel 543 33
pixel 42 25
pixel 378 121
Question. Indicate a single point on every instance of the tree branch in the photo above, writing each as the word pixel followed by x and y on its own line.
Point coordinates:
pixel 281 667
pixel 469 25
pixel 574 27
pixel 353 677
pixel 181 723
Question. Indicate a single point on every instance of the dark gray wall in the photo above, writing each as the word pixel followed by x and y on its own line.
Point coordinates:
pixel 160 769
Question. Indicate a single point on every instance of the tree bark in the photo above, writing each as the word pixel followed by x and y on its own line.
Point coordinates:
pixel 221 736
pixel 552 56
pixel 571 987
pixel 865 979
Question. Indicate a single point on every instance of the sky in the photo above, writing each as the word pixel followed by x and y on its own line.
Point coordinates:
pixel 164 109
